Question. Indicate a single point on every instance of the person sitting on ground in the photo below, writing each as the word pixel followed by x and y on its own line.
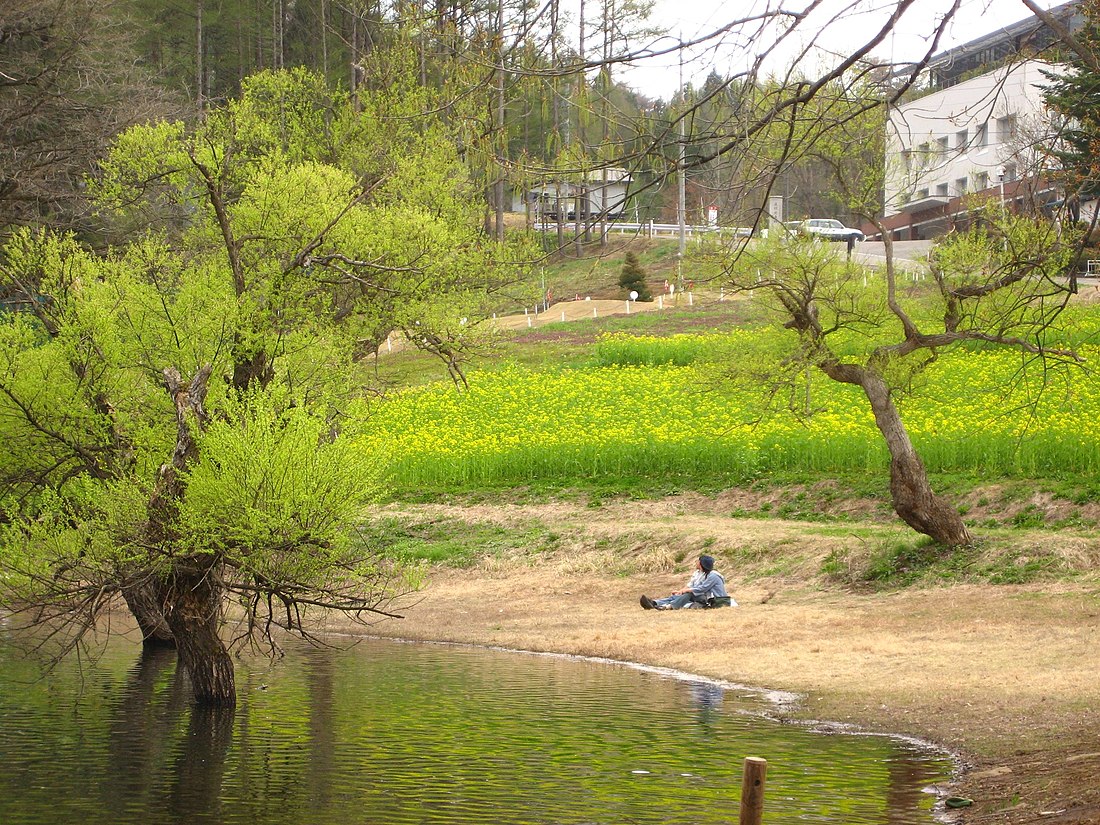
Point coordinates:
pixel 707 588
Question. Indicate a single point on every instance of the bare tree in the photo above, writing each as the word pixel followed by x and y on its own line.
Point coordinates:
pixel 68 85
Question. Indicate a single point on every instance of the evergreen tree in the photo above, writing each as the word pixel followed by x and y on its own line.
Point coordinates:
pixel 1074 94
pixel 632 278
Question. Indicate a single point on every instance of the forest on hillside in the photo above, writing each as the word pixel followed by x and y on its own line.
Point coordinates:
pixel 531 94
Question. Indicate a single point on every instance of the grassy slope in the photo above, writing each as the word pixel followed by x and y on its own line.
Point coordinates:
pixel 992 506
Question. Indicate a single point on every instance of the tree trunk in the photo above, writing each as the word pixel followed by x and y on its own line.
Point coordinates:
pixel 194 615
pixel 910 489
pixel 200 85
pixel 502 139
pixel 192 592
pixel 144 600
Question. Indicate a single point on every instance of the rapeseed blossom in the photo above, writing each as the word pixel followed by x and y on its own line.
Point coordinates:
pixel 977 411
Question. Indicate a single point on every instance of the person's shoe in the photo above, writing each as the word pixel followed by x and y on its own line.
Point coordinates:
pixel 647 602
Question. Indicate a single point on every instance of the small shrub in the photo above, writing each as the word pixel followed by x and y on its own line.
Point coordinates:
pixel 1020 569
pixel 1029 518
pixel 836 566
pixel 633 278
pixel 903 563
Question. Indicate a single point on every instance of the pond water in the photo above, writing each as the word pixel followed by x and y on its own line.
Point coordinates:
pixel 387 733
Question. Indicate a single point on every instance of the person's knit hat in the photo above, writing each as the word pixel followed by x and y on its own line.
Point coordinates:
pixel 707 563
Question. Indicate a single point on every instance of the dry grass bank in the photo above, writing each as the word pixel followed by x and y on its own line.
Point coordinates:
pixel 1007 677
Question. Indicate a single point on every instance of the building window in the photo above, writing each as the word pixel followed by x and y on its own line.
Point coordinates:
pixel 907 159
pixel 981 181
pixel 924 152
pixel 960 186
pixel 941 147
pixel 922 194
pixel 1011 172
pixel 981 135
pixel 1006 128
pixel 962 138
pixel 941 190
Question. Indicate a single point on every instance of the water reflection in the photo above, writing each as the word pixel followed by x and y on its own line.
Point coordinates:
pixel 142 720
pixel 164 753
pixel 707 698
pixel 200 764
pixel 320 672
pixel 390 734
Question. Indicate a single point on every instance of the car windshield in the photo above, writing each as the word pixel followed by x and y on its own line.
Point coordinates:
pixel 826 224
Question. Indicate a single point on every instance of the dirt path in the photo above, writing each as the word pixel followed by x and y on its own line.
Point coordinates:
pixel 1006 677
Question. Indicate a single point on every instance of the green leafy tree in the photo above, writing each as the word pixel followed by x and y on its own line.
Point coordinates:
pixel 998 284
pixel 632 278
pixel 185 407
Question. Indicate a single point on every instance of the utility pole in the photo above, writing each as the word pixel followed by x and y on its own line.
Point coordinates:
pixel 681 203
pixel 681 208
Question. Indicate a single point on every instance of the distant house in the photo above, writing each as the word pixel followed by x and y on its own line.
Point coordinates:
pixel 598 191
pixel 976 132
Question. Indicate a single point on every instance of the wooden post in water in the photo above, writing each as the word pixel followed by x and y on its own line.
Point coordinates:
pixel 752 791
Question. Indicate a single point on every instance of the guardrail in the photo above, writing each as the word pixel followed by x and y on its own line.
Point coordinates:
pixel 650 229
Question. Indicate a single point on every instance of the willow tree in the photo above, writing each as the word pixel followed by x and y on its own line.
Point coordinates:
pixel 182 413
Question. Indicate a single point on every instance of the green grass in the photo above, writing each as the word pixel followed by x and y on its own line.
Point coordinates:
pixel 908 562
pixel 442 543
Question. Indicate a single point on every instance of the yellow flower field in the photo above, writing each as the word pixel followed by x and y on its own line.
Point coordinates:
pixel 974 411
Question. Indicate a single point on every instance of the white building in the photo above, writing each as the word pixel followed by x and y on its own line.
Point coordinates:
pixel 980 135
pixel 603 191
pixel 981 129
pixel 966 137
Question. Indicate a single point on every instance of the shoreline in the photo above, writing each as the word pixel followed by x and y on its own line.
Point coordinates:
pixel 784 703
pixel 1003 679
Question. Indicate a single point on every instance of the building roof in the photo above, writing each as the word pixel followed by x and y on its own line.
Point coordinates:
pixel 1029 35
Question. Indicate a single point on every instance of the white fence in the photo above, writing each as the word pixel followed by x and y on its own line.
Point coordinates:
pixel 649 229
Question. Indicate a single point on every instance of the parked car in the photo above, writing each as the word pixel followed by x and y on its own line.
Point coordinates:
pixel 829 229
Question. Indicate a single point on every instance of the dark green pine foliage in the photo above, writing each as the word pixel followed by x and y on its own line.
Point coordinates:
pixel 1074 94
pixel 632 278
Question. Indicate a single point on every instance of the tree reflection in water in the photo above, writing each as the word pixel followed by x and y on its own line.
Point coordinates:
pixel 144 740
